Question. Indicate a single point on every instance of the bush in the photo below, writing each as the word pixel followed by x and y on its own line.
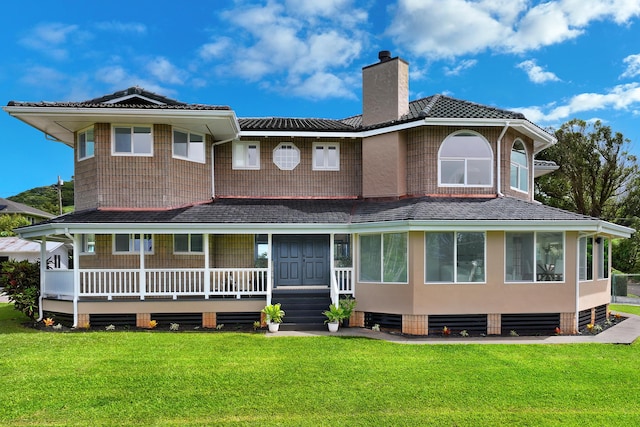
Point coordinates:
pixel 21 283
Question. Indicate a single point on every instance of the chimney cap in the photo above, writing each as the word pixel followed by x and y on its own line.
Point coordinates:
pixel 384 55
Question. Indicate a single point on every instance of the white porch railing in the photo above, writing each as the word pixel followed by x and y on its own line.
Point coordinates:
pixel 239 281
pixel 344 278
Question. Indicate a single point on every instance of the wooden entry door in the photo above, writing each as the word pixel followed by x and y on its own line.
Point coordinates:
pixel 301 260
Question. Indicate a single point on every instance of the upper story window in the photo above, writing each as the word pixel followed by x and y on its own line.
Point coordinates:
pixel 85 144
pixel 188 145
pixel 246 155
pixel 130 243
pixel 132 140
pixel 465 159
pixel 326 156
pixel 286 156
pixel 519 167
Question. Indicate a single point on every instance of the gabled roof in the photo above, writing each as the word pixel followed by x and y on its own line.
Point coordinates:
pixel 10 207
pixel 18 245
pixel 261 215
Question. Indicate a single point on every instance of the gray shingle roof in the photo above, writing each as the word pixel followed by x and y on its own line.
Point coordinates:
pixel 435 106
pixel 10 207
pixel 258 211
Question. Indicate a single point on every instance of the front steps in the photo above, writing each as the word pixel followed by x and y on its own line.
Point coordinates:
pixel 303 307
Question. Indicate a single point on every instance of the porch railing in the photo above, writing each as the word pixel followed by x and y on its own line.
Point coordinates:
pixel 344 278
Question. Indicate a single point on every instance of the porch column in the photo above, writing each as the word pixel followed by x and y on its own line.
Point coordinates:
pixel 269 268
pixel 76 242
pixel 43 272
pixel 335 292
pixel 207 273
pixel 142 275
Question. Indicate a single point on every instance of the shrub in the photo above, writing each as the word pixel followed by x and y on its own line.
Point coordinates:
pixel 21 283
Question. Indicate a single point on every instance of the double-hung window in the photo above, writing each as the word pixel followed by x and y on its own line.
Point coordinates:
pixel 465 160
pixel 131 243
pixel 455 257
pixel 132 140
pixel 85 144
pixel 326 156
pixel 188 145
pixel 534 257
pixel 383 258
pixel 246 155
pixel 188 243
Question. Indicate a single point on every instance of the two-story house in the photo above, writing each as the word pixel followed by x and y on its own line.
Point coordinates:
pixel 422 210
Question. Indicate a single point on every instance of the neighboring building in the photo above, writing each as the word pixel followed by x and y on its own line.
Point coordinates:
pixel 33 215
pixel 423 210
pixel 13 248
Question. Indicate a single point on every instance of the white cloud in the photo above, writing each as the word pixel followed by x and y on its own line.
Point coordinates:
pixel 536 73
pixel 50 39
pixel 622 97
pixel 165 71
pixel 219 48
pixel 633 66
pixel 121 27
pixel 117 78
pixel 39 76
pixel 460 67
pixel 437 29
pixel 322 86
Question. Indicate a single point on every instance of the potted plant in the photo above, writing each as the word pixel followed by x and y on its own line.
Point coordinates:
pixel 347 304
pixel 334 315
pixel 273 316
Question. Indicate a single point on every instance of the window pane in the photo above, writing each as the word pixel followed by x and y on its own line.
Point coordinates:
pixel 439 257
pixel 465 147
pixel 319 161
pixel 181 243
pixel 179 143
pixel 452 171
pixel 395 257
pixel 519 257
pixel 478 172
pixel 123 140
pixel 82 144
pixel 252 156
pixel 196 243
pixel 142 140
pixel 196 149
pixel 524 179
pixel 89 143
pixel 549 256
pixel 514 175
pixel 122 242
pixel 470 254
pixel 370 258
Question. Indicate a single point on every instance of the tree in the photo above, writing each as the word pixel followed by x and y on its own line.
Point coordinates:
pixel 10 221
pixel 21 283
pixel 595 170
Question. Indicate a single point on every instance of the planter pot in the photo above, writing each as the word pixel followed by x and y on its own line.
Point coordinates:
pixel 274 327
pixel 345 323
pixel 333 326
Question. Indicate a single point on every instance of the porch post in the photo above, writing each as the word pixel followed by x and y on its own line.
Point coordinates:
pixel 76 276
pixel 43 272
pixel 269 268
pixel 335 291
pixel 141 274
pixel 207 273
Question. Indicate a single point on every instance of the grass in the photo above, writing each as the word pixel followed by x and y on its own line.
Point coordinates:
pixel 223 378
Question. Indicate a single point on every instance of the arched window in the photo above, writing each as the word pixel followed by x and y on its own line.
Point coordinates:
pixel 519 167
pixel 465 159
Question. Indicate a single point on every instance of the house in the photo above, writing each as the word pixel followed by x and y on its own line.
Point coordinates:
pixel 33 215
pixel 56 255
pixel 422 210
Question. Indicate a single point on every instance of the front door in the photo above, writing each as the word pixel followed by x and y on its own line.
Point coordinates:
pixel 301 260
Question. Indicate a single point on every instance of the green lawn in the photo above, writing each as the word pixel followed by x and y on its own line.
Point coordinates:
pixel 223 378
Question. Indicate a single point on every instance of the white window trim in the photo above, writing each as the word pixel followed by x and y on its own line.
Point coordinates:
pixel 189 143
pixel 466 159
pixel 382 282
pixel 131 153
pixel 286 167
pixel 245 145
pixel 132 238
pixel 83 131
pixel 519 167
pixel 189 252
pixel 325 146
pixel 84 245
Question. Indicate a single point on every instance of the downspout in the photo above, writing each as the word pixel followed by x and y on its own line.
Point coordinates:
pixel 43 271
pixel 498 155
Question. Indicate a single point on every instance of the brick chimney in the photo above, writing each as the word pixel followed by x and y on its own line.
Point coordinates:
pixel 385 89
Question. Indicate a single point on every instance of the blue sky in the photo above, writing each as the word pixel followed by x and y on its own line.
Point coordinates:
pixel 553 60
